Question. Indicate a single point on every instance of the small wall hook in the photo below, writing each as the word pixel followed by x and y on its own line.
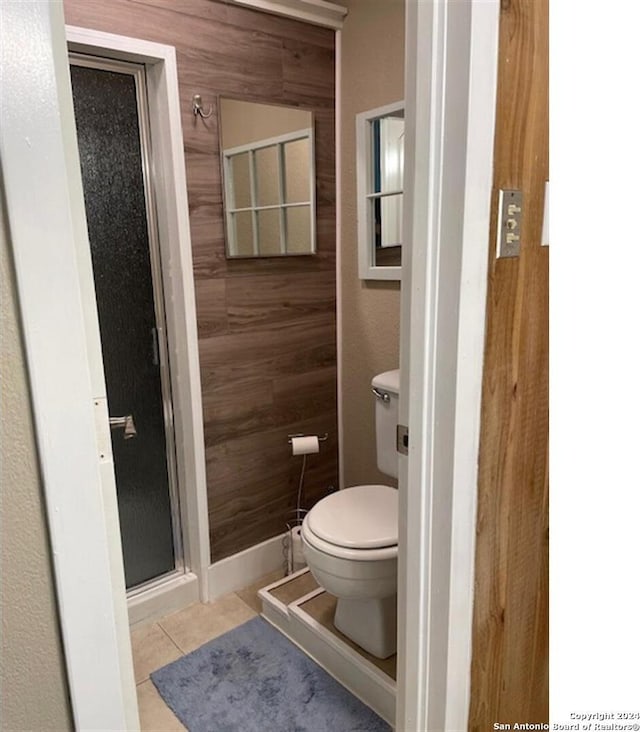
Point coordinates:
pixel 197 107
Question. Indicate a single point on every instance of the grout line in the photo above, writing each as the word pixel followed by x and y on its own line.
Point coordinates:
pixel 175 643
pixel 166 632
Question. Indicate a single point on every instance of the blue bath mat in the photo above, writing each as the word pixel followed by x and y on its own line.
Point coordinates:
pixel 253 679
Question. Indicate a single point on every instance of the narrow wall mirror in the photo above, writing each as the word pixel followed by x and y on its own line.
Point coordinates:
pixel 269 179
pixel 380 172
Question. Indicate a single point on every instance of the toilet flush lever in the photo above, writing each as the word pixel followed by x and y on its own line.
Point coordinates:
pixel 381 394
pixel 126 422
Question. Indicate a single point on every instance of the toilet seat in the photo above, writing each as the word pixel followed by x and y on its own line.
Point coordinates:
pixel 359 523
pixel 342 552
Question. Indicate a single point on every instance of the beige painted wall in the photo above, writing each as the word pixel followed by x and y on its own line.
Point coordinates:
pixel 372 75
pixel 33 686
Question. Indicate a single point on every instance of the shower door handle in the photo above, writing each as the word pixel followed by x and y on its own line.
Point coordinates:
pixel 127 423
pixel 155 346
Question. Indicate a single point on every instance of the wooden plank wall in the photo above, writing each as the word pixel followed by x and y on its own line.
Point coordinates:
pixel 266 327
pixel 510 640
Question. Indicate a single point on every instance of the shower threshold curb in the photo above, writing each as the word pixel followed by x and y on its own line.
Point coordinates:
pixel 361 677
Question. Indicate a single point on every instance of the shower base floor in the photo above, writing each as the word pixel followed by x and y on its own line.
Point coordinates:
pixel 303 611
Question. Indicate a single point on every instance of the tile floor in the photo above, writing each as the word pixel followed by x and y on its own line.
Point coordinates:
pixel 175 635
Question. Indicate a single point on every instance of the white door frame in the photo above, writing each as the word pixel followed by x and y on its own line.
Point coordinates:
pixel 450 93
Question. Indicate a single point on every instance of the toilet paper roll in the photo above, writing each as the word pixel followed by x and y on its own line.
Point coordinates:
pixel 305 445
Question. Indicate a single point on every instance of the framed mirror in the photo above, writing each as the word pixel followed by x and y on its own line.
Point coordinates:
pixel 268 169
pixel 380 173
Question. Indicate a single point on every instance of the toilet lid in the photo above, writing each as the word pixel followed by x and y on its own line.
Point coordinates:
pixel 362 517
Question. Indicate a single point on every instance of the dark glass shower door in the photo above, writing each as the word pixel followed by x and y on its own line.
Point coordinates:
pixel 110 104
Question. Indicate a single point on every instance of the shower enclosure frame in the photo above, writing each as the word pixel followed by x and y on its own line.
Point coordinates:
pixel 189 583
pixel 138 73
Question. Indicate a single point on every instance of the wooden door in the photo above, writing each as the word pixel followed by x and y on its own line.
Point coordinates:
pixel 510 628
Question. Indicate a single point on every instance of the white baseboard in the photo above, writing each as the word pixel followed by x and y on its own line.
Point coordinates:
pixel 163 599
pixel 228 575
pixel 246 567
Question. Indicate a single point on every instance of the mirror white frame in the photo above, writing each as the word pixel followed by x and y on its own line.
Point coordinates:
pixel 367 268
pixel 286 236
pixel 281 207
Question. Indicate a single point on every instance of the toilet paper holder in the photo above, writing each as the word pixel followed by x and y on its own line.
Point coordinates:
pixel 301 434
pixel 292 552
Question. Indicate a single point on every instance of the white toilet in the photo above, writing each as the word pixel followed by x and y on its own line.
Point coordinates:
pixel 350 540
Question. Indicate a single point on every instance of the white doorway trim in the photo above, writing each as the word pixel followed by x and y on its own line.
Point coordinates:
pixel 450 92
pixel 48 230
pixel 40 172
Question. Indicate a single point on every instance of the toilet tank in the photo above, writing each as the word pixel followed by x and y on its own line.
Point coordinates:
pixel 388 384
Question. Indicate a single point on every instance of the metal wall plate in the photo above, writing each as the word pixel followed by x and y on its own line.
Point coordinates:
pixel 509 223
